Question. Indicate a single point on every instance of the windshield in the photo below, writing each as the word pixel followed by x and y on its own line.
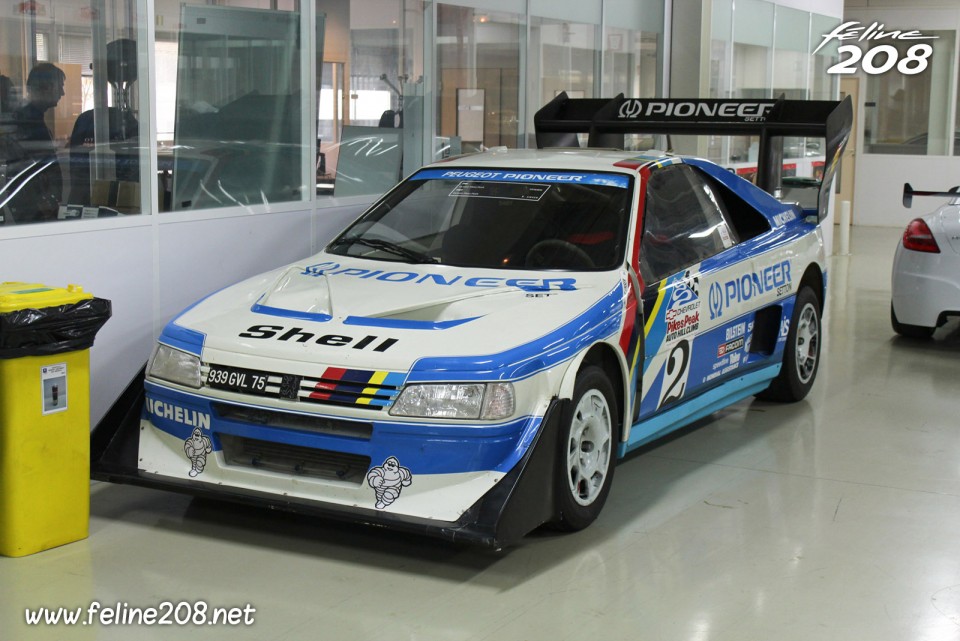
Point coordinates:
pixel 501 219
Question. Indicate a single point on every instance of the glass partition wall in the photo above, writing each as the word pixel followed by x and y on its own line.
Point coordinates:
pixel 910 113
pixel 478 78
pixel 762 50
pixel 236 106
pixel 564 55
pixel 254 106
pixel 71 116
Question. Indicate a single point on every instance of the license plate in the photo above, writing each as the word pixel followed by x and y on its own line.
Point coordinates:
pixel 238 380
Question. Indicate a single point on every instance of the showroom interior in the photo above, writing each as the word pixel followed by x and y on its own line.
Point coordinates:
pixel 202 142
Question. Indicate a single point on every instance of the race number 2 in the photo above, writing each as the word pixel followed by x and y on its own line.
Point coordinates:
pixel 675 373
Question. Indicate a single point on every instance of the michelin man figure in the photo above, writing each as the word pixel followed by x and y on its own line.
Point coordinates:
pixel 387 480
pixel 196 447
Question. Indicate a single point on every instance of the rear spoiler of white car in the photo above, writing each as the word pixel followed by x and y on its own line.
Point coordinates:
pixel 909 192
pixel 607 120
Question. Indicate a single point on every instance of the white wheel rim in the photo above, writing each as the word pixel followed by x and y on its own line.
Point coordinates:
pixel 589 447
pixel 807 343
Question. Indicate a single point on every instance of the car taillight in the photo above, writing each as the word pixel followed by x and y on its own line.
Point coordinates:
pixel 918 237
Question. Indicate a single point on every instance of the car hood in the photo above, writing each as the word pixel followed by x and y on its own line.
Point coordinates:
pixel 342 311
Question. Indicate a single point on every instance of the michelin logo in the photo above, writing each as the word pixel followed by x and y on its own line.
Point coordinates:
pixel 775 278
pixel 175 413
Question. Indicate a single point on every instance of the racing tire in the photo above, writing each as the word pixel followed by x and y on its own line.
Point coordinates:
pixel 909 331
pixel 801 354
pixel 586 455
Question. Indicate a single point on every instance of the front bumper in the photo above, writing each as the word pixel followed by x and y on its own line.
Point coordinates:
pixel 518 502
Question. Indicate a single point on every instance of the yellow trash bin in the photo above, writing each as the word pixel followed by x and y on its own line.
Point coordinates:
pixel 45 336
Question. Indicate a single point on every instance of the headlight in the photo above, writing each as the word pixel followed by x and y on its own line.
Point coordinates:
pixel 490 401
pixel 175 366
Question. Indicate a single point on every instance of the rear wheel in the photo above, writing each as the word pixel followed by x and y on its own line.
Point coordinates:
pixel 801 356
pixel 909 331
pixel 586 455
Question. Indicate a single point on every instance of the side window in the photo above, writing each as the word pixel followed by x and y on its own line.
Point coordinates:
pixel 684 223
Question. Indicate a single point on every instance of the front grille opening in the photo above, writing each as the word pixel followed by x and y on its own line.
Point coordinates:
pixel 316 424
pixel 347 393
pixel 294 460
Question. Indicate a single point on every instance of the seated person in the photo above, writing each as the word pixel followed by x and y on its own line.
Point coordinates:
pixel 33 152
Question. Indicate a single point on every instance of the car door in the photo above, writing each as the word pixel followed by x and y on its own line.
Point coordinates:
pixel 686 240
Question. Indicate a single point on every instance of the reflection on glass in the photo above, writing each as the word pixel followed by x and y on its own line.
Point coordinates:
pixel 823 86
pixel 478 50
pixel 790 57
pixel 562 56
pixel 237 137
pixel 753 37
pixel 632 48
pixel 721 65
pixel 69 114
pixel 909 114
pixel 370 95
pixel 553 226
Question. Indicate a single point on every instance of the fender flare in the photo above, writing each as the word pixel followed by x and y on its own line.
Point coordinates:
pixel 569 379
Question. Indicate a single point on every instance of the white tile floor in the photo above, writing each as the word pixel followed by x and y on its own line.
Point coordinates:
pixel 836 518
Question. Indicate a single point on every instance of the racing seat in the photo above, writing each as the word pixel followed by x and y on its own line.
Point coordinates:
pixel 596 233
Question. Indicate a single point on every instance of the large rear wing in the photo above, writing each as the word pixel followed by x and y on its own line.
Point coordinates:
pixel 607 120
pixel 909 192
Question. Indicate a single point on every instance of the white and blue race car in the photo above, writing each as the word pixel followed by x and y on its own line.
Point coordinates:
pixel 470 357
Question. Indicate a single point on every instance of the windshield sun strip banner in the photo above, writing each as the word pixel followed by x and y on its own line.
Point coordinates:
pixel 620 181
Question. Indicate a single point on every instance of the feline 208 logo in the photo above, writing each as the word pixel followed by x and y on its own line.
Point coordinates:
pixel 879 58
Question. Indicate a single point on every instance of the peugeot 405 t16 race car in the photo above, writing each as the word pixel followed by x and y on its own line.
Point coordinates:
pixel 471 356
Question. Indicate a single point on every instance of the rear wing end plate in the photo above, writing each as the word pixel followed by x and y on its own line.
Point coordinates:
pixel 607 120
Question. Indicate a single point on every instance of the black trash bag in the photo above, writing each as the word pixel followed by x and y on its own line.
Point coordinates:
pixel 52 330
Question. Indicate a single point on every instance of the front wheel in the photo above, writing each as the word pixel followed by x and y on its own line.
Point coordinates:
pixel 801 355
pixel 586 455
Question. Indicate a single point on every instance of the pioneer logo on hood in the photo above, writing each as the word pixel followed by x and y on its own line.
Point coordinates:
pixel 298 335
pixel 330 268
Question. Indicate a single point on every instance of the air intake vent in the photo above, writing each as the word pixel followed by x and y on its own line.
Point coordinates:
pixel 294 460
pixel 273 418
